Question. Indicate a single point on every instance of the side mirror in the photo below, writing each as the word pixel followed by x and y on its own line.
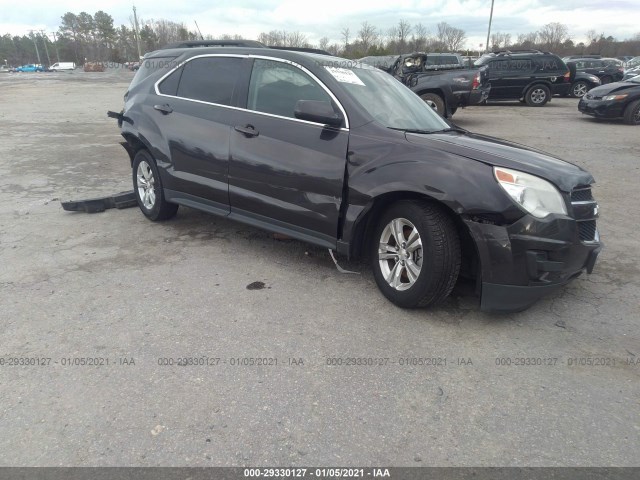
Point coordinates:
pixel 318 112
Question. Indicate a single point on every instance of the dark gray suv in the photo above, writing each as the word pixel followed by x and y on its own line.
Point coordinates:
pixel 341 155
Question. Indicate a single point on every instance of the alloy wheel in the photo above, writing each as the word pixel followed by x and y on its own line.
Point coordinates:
pixel 538 95
pixel 146 185
pixel 579 90
pixel 400 254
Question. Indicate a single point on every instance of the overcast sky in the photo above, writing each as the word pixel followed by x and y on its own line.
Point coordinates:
pixel 618 18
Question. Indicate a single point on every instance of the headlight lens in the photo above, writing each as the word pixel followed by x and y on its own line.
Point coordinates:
pixel 535 195
pixel 614 97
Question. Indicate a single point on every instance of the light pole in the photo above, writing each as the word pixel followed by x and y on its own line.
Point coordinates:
pixel 489 30
pixel 36 45
pixel 55 44
pixel 135 24
pixel 44 40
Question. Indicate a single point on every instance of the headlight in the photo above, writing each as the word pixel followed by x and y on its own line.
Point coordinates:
pixel 615 97
pixel 535 195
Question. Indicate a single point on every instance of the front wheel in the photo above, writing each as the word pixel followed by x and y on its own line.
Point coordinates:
pixel 415 254
pixel 148 188
pixel 537 96
pixel 632 113
pixel 435 101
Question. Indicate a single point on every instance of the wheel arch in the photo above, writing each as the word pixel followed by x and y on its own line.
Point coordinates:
pixel 133 145
pixel 361 237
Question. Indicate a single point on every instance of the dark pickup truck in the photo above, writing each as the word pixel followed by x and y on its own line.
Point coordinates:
pixel 441 80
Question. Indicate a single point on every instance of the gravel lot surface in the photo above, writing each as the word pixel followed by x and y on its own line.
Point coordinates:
pixel 118 288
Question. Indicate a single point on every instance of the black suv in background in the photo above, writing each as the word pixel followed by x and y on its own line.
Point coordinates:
pixel 531 76
pixel 606 69
pixel 343 156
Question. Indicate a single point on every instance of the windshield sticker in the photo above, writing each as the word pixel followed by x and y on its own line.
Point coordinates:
pixel 345 75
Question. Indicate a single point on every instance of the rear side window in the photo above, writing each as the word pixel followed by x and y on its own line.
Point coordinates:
pixel 149 66
pixel 169 86
pixel 210 79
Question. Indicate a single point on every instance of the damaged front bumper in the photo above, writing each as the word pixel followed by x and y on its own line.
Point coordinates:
pixel 522 262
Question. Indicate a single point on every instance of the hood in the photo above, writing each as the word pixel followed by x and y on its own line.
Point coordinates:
pixel 611 88
pixel 502 153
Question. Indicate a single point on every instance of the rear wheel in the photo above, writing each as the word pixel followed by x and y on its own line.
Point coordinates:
pixel 537 96
pixel 579 88
pixel 632 113
pixel 435 101
pixel 415 254
pixel 148 188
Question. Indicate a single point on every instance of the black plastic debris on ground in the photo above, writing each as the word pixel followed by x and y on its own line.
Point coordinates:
pixel 96 205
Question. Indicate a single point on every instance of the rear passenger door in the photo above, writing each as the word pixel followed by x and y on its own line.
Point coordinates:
pixel 285 173
pixel 195 113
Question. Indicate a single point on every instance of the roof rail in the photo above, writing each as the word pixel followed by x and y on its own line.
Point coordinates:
pixel 302 49
pixel 523 50
pixel 214 43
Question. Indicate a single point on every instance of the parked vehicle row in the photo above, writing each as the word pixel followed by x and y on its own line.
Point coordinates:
pixel 343 156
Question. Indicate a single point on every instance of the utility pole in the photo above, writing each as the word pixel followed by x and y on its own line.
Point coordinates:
pixel 36 45
pixel 201 37
pixel 55 44
pixel 490 19
pixel 44 40
pixel 135 26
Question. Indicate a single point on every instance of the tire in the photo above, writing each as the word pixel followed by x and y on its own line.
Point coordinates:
pixel 148 188
pixel 425 275
pixel 435 101
pixel 632 113
pixel 537 96
pixel 578 89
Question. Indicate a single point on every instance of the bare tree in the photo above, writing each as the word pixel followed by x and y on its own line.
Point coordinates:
pixel 528 40
pixel 592 36
pixel 296 39
pixel 500 40
pixel 451 38
pixel 346 36
pixel 367 36
pixel 554 34
pixel 402 31
pixel 419 38
pixel 324 43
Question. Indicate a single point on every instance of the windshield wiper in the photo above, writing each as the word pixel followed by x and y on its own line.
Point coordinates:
pixel 414 130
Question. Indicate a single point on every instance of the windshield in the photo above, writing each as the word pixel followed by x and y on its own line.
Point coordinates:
pixel 387 100
pixel 635 79
pixel 634 62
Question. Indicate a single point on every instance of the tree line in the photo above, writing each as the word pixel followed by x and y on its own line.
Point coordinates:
pixel 84 37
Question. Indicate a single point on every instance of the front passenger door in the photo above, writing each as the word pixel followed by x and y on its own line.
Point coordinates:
pixel 287 174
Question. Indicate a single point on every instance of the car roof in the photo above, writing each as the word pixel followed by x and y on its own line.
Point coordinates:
pixel 305 58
